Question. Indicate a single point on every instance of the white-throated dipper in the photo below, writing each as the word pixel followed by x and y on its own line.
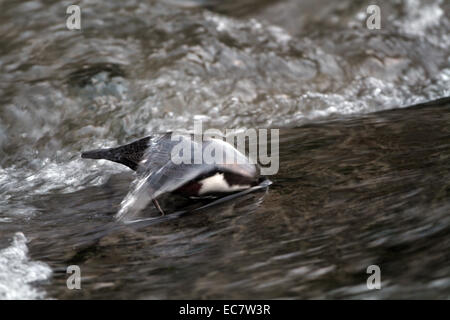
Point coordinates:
pixel 182 164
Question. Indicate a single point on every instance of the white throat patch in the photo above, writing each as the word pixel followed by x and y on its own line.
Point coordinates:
pixel 217 183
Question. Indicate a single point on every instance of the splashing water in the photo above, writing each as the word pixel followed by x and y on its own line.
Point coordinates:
pixel 18 273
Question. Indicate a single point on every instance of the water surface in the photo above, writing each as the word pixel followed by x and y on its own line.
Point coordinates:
pixel 363 179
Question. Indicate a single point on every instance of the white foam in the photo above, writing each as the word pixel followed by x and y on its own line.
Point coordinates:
pixel 421 16
pixel 18 272
pixel 52 176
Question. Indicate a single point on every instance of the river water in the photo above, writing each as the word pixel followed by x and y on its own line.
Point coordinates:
pixel 364 179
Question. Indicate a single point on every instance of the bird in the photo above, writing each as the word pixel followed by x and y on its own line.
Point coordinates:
pixel 184 164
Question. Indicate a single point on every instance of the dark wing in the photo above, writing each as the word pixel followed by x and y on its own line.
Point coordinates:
pixel 129 155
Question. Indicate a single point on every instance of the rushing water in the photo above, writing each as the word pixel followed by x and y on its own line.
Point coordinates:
pixel 362 180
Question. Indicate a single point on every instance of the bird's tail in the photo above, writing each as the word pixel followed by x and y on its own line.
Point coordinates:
pixel 129 154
